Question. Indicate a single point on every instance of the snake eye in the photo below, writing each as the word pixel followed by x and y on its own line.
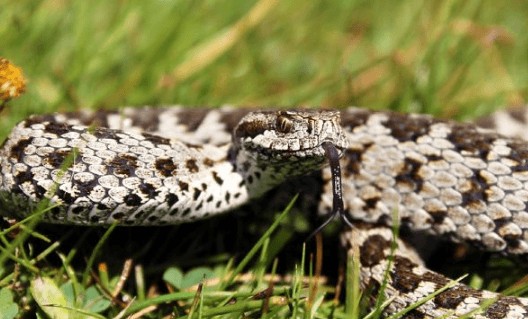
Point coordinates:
pixel 284 124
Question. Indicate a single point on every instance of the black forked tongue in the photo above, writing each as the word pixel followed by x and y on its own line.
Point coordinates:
pixel 337 191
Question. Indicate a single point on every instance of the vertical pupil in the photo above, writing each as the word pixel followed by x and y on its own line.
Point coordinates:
pixel 283 124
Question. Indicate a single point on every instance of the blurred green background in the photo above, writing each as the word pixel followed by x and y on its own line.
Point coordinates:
pixel 450 58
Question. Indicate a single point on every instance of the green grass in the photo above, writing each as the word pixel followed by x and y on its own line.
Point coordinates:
pixel 454 59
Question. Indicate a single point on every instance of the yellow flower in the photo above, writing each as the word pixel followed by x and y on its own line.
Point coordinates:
pixel 12 81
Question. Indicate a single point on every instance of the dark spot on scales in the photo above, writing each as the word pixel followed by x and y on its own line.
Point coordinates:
pixel 78 210
pixel 371 252
pixel 118 216
pixel 439 280
pixel 466 138
pixel 132 200
pixel 39 190
pixel 156 140
pixel 39 119
pixel 384 220
pixel 102 132
pixel 66 197
pixel 183 186
pixel 409 174
pixel 513 242
pixel 185 212
pixel 434 158
pixel 165 166
pixel 519 153
pixel 57 128
pixel 353 162
pixel 408 128
pixel 438 216
pixel 208 162
pixel 17 150
pixel 85 187
pixel 370 203
pixel 21 178
pixel 451 298
pixel 171 199
pixel 148 189
pixel 476 193
pixel 191 165
pixel 403 279
pixel 217 178
pixel 57 158
pixel 152 218
pixel 501 308
pixel 139 215
pixel 246 166
pixel 196 193
pixel 123 164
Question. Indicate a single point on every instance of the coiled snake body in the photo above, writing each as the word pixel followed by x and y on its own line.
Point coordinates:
pixel 163 166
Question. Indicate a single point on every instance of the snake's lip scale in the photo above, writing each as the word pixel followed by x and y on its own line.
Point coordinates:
pixel 166 166
pixel 293 156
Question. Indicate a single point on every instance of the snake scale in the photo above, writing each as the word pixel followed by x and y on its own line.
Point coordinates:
pixel 155 166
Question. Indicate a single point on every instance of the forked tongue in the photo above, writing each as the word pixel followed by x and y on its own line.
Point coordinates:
pixel 337 190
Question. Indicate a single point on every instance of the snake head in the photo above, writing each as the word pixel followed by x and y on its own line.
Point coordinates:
pixel 289 136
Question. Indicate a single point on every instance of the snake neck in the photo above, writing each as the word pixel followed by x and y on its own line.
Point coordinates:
pixel 260 175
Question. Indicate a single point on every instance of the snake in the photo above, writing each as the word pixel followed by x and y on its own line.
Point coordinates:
pixel 462 181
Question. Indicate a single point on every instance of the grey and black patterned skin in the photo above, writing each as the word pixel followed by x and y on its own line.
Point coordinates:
pixel 410 282
pixel 164 166
pixel 120 173
pixel 445 177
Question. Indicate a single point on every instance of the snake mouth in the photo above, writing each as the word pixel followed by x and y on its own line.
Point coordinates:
pixel 315 154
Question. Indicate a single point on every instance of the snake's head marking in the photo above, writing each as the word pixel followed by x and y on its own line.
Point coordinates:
pixel 289 135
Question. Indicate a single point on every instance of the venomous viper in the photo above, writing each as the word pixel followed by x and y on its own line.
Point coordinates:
pixel 164 166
